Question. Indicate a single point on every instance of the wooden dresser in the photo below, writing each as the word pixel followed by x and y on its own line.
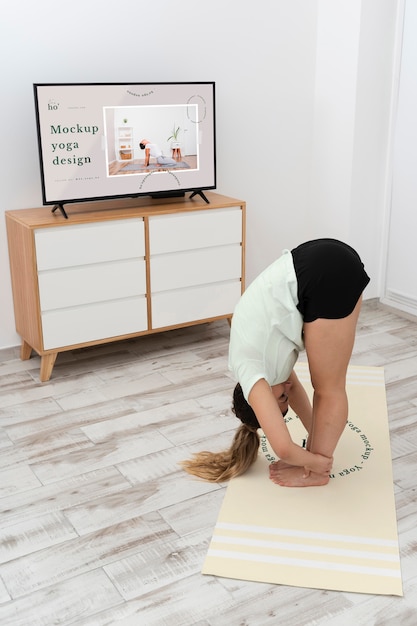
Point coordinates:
pixel 122 268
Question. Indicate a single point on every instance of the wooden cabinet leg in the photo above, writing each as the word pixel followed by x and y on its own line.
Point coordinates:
pixel 47 365
pixel 25 351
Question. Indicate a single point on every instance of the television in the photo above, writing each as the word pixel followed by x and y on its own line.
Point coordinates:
pixel 111 140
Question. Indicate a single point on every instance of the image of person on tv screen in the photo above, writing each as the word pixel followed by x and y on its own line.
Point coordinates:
pixel 153 150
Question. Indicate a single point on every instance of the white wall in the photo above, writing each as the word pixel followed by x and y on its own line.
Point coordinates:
pixel 374 102
pixel 296 85
pixel 355 48
pixel 334 116
pixel 400 289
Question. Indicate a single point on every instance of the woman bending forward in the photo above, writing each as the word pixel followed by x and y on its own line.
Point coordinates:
pixel 308 299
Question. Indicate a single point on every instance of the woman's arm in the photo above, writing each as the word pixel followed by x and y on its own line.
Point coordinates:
pixel 272 423
pixel 300 402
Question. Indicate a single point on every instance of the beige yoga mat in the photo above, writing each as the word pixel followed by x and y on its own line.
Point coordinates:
pixel 342 536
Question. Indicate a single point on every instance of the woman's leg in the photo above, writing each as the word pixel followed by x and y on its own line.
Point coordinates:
pixel 329 345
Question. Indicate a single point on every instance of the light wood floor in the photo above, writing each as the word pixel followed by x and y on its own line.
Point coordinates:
pixel 98 525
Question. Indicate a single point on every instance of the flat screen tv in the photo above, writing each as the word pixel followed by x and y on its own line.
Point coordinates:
pixel 111 140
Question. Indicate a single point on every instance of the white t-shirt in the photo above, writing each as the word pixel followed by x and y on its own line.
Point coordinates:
pixel 267 328
pixel 155 150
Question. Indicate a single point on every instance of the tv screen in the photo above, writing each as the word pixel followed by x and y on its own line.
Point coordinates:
pixel 110 140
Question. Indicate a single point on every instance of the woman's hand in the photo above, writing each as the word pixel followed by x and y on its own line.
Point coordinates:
pixel 319 464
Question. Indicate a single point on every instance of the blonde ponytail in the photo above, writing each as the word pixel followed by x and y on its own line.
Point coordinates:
pixel 219 467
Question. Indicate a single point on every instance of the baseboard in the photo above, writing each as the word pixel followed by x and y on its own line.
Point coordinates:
pixel 398 300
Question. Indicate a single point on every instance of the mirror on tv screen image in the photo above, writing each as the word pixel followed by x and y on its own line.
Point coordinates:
pixel 109 140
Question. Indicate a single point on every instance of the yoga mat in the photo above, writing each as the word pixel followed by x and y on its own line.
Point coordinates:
pixel 342 536
pixel 139 167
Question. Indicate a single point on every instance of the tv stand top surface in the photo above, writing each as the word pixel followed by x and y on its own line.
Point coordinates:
pixel 118 209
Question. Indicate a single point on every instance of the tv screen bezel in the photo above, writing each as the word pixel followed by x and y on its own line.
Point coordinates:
pixel 133 95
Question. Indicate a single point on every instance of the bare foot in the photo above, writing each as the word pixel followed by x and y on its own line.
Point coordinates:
pixel 294 477
pixel 276 467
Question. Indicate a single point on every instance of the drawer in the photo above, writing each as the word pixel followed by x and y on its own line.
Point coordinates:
pixel 76 325
pixel 195 229
pixel 91 283
pixel 81 244
pixel 181 306
pixel 196 267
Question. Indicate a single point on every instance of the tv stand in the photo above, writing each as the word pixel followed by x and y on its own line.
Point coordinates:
pixel 60 206
pixel 122 269
pixel 167 194
pixel 199 192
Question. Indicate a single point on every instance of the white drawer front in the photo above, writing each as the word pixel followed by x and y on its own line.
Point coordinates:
pixel 91 283
pixel 66 246
pixel 195 229
pixel 196 267
pixel 93 322
pixel 196 303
